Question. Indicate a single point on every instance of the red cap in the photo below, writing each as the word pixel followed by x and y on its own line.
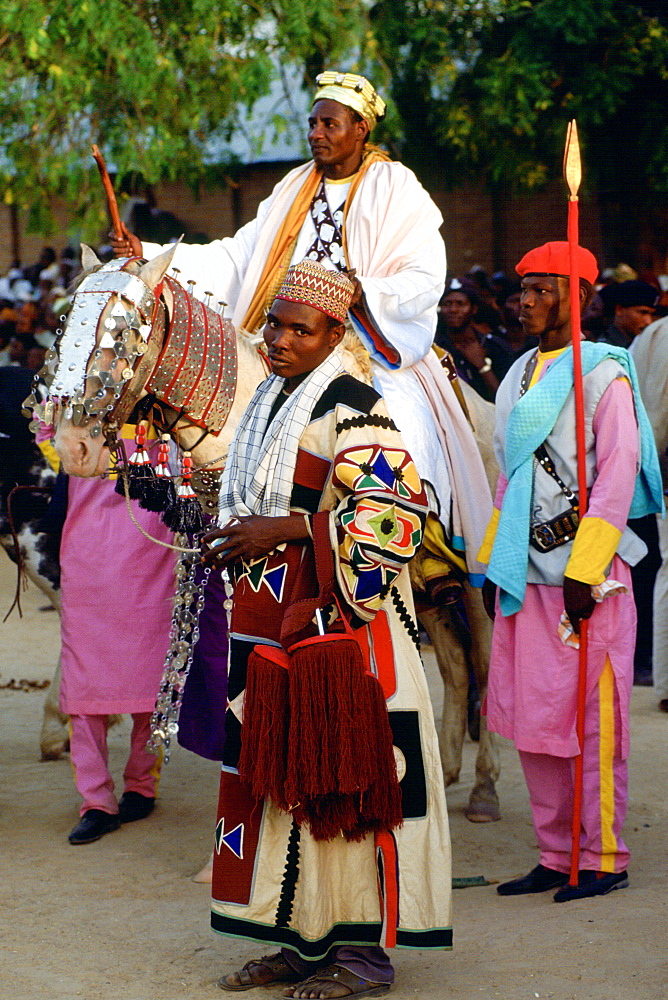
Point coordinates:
pixel 553 259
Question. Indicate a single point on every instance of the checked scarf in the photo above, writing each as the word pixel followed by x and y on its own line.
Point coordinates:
pixel 259 472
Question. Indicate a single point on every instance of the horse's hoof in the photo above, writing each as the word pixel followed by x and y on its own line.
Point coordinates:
pixel 476 814
pixel 483 805
pixel 54 750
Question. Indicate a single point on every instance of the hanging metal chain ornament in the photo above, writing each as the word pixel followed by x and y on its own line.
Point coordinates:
pixel 184 633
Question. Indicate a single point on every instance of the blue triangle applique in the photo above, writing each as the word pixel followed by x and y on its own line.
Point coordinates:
pixel 369 583
pixel 275 579
pixel 383 471
pixel 234 840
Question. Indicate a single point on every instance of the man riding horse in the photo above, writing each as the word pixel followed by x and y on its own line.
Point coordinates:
pixel 354 210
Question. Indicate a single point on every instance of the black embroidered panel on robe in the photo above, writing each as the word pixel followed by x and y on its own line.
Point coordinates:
pixel 406 736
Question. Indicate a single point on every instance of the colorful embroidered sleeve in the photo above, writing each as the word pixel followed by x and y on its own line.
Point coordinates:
pixel 380 518
pixel 617 449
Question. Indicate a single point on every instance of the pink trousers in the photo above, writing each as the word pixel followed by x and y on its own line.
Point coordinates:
pixel 88 749
pixel 550 782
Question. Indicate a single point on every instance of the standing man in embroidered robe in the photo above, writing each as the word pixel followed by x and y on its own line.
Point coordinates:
pixel 351 207
pixel 316 452
pixel 553 570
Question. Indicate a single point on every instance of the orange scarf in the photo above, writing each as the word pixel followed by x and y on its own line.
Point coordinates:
pixel 278 259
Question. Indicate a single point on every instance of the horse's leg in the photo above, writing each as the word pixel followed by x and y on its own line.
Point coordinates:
pixel 483 804
pixel 54 737
pixel 445 632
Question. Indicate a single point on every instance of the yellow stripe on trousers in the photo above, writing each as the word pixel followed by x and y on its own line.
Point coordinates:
pixel 606 702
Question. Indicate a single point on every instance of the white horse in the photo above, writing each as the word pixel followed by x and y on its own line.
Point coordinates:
pixel 96 384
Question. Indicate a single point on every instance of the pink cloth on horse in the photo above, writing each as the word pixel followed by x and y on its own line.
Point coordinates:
pixel 117 591
pixel 531 697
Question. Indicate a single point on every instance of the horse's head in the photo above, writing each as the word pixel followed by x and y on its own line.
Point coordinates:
pixel 101 361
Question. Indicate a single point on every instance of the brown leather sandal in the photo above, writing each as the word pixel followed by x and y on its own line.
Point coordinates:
pixel 259 972
pixel 338 975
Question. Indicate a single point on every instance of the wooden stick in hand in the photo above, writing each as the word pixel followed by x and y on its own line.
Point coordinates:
pixel 111 196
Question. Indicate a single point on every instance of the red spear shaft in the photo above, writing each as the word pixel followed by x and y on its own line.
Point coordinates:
pixel 573 176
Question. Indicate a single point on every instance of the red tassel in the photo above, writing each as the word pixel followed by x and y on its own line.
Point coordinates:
pixel 381 802
pixel 264 733
pixel 185 514
pixel 158 492
pixel 327 816
pixel 340 766
pixel 327 751
pixel 139 470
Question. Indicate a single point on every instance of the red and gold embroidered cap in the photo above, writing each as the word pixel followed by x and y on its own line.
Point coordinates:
pixel 313 284
pixel 552 260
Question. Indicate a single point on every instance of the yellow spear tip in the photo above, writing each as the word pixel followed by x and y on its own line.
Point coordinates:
pixel 572 160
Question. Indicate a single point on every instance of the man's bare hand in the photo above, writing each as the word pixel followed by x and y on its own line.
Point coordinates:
pixel 359 291
pixel 127 245
pixel 578 602
pixel 250 537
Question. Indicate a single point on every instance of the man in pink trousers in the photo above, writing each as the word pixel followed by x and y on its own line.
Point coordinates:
pixel 549 568
pixel 117 594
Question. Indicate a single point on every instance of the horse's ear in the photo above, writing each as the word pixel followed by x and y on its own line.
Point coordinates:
pixel 89 259
pixel 154 271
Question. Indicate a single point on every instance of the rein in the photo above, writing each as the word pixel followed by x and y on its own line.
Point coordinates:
pixel 119 446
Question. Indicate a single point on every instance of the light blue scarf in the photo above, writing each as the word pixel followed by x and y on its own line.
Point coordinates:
pixel 530 422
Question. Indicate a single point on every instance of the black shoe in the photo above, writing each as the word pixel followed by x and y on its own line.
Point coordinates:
pixel 592 884
pixel 539 879
pixel 134 806
pixel 93 824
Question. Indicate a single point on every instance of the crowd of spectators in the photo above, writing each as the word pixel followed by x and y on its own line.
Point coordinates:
pixel 32 299
pixel 479 320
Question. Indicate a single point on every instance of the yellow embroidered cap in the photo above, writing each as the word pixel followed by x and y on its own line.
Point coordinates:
pixel 331 292
pixel 352 90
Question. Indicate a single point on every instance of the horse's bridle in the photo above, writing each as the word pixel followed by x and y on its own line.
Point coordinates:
pixel 85 396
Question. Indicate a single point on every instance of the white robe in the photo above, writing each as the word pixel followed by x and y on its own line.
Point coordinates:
pixel 394 243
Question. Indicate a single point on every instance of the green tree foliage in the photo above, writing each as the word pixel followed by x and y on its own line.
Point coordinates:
pixel 493 86
pixel 477 88
pixel 150 81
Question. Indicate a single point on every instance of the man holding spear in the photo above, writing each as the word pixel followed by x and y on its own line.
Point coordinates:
pixel 558 569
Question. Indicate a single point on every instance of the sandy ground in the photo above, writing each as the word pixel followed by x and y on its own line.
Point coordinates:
pixel 121 918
